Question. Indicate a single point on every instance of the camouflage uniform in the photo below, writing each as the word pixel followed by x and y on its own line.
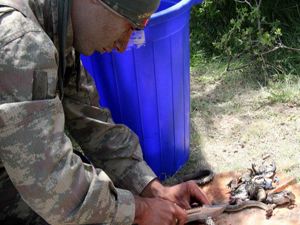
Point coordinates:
pixel 37 159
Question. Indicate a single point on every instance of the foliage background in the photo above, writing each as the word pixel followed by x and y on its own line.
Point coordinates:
pixel 245 85
pixel 257 34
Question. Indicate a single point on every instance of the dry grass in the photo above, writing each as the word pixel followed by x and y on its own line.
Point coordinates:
pixel 235 121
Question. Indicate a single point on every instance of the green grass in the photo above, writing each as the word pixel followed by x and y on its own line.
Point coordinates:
pixel 285 91
pixel 280 88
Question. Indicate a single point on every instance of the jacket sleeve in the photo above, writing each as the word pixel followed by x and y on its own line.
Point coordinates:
pixel 113 147
pixel 34 149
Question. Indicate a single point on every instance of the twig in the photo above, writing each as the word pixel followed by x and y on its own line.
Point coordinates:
pixel 266 157
pixel 290 48
pixel 228 64
pixel 277 69
pixel 280 45
pixel 272 50
pixel 241 67
pixel 259 4
pixel 259 18
pixel 283 186
pixel 245 1
pixel 283 9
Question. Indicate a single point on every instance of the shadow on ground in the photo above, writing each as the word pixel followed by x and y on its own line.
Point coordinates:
pixel 222 96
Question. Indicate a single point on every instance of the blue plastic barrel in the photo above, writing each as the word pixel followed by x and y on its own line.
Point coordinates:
pixel 148 88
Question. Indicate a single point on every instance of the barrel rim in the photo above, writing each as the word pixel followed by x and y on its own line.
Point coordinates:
pixel 174 10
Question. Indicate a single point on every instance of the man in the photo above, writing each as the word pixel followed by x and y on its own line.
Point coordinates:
pixel 42 180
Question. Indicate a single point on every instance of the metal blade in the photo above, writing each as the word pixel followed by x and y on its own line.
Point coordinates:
pixel 202 213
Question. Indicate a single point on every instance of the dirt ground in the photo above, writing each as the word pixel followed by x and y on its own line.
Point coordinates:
pixel 233 125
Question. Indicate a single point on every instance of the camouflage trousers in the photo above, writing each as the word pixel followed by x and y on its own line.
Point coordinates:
pixel 13 210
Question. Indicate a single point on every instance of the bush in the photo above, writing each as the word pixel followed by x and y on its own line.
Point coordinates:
pixel 263 34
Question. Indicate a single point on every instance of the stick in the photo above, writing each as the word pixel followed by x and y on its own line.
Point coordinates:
pixel 284 185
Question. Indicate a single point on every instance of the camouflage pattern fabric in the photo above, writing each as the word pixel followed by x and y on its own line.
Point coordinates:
pixel 137 12
pixel 41 179
pixel 14 211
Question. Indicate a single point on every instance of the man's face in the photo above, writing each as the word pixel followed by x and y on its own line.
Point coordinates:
pixel 98 29
pixel 116 37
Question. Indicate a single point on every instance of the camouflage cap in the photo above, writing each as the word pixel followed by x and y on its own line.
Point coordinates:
pixel 136 11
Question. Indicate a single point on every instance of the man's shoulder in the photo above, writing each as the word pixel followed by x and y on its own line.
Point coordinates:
pixel 23 42
pixel 15 25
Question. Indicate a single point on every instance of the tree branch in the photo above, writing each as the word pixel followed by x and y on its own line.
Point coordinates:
pixel 261 55
pixel 258 4
pixel 290 48
pixel 244 1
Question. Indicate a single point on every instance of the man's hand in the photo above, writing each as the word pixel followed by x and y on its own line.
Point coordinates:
pixel 157 211
pixel 182 194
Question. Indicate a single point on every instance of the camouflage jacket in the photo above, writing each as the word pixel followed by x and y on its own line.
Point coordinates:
pixel 34 149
